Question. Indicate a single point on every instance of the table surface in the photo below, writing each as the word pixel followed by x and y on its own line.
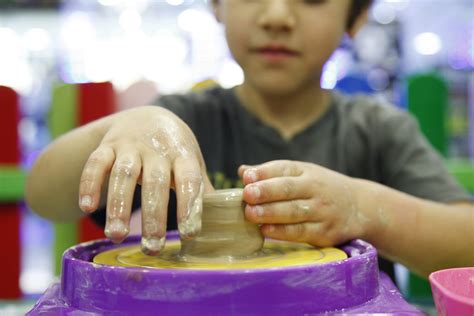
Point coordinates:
pixel 20 307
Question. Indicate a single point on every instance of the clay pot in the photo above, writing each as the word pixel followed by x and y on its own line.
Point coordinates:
pixel 225 233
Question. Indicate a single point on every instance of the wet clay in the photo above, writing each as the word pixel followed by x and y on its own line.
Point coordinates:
pixel 225 233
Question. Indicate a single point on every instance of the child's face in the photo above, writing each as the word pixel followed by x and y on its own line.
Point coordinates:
pixel 282 45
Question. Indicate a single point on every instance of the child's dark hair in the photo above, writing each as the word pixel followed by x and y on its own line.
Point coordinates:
pixel 357 7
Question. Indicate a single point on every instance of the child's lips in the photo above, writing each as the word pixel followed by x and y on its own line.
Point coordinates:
pixel 274 53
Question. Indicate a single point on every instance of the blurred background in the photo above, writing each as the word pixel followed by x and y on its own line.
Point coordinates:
pixel 147 48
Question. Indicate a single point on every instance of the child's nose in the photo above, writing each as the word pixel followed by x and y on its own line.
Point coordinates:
pixel 277 15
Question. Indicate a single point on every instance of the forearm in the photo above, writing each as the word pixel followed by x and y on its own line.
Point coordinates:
pixel 424 236
pixel 53 182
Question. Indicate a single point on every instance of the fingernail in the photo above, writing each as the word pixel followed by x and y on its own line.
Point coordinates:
pixel 258 210
pixel 152 246
pixel 116 230
pixel 252 174
pixel 255 191
pixel 86 201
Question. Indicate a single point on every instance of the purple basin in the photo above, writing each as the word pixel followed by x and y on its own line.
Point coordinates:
pixel 351 286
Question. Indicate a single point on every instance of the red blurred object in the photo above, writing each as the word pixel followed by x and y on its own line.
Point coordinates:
pixel 10 213
pixel 9 119
pixel 96 100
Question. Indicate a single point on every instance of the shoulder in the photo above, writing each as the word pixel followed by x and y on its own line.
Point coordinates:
pixel 211 97
pixel 202 110
pixel 371 114
pixel 194 108
pixel 367 108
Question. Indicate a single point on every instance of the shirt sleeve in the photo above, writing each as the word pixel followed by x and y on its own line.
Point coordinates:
pixel 410 164
pixel 182 106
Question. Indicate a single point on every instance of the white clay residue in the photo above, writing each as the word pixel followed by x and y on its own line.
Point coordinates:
pixel 384 220
pixel 116 228
pixel 383 216
pixel 121 176
pixel 161 150
pixel 152 246
pixel 190 226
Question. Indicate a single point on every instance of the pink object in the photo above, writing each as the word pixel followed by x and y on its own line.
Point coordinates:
pixel 142 92
pixel 453 291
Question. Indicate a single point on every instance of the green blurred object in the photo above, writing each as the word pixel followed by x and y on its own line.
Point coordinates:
pixel 66 236
pixel 16 307
pixel 63 117
pixel 463 171
pixel 427 99
pixel 12 183
pixel 63 112
pixel 419 290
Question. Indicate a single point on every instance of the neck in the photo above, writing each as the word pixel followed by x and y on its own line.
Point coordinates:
pixel 289 114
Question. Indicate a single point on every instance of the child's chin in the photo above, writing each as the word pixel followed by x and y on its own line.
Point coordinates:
pixel 279 86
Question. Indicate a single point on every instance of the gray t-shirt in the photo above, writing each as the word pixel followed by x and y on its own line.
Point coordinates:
pixel 358 136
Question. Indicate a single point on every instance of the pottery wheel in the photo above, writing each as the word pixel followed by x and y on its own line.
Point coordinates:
pixel 281 279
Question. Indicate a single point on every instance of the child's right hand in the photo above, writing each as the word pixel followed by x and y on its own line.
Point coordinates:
pixel 152 147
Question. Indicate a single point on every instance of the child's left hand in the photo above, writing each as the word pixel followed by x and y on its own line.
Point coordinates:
pixel 303 202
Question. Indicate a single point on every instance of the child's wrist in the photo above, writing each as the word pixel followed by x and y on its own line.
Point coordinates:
pixel 367 195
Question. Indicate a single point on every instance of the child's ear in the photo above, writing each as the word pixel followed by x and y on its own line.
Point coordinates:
pixel 358 23
pixel 216 8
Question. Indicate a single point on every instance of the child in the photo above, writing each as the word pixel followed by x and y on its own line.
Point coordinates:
pixel 318 167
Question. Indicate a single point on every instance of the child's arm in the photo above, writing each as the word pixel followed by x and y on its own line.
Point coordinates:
pixel 147 145
pixel 304 202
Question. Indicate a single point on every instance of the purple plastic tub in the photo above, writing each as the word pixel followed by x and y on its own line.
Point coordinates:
pixel 351 286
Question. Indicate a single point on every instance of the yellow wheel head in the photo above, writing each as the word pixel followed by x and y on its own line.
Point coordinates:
pixel 275 254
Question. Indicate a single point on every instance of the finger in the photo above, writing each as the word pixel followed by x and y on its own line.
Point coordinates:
pixel 284 212
pixel 313 233
pixel 122 183
pixel 272 169
pixel 95 170
pixel 243 168
pixel 155 196
pixel 276 189
pixel 189 190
